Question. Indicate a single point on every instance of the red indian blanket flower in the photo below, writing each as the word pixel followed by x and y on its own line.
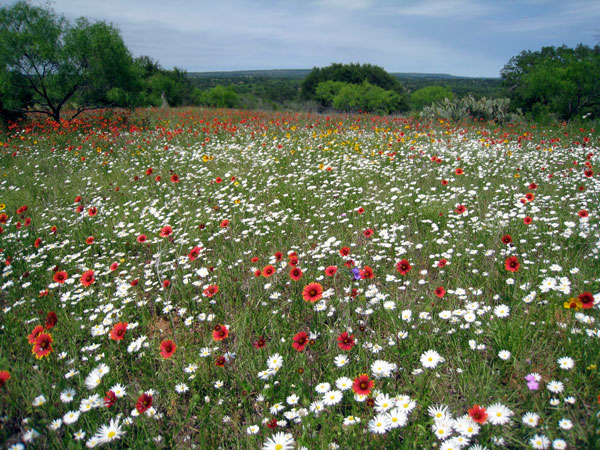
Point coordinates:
pixel 507 239
pixel 403 267
pixel 51 320
pixel 144 403
pixel 110 399
pixel 87 278
pixel 345 341
pixel 478 414
pixel 330 271
pixel 295 273
pixel 366 273
pixel 512 264
pixel 4 376
pixel 268 271
pixel 362 385
pixel 587 300
pixel 43 345
pixel 440 291
pixel 60 276
pixel 167 348
pixel 211 290
pixel 312 292
pixel 194 253
pixel 165 231
pixel 220 332
pixel 118 331
pixel 34 334
pixel 300 341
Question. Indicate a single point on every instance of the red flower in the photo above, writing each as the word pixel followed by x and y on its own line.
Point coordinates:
pixel 51 320
pixel 527 220
pixel 37 243
pixel 330 271
pixel 220 332
pixel 92 211
pixel 362 385
pixel 194 253
pixel 165 231
pixel 254 260
pixel 295 273
pixel 118 331
pixel 300 341
pixel 90 240
pixel 258 273
pixel 144 403
pixel 78 199
pixel 278 256
pixel 440 291
pixel 478 414
pixel 22 210
pixel 588 173
pixel 224 223
pixel 220 362
pixel 444 182
pixel 157 178
pixel 583 213
pixel 79 208
pixel 53 229
pixel 360 210
pixel 344 251
pixel 368 233
pixel 460 209
pixel 512 264
pixel 149 171
pixel 175 178
pixel 259 343
pixel 312 292
pixel 345 341
pixel 141 238
pixel 533 186
pixel 60 276
pixel 211 290
pixel 459 171
pixel 367 272
pixel 166 283
pixel 114 266
pixel 442 262
pixel 110 399
pixel 272 423
pixel 3 218
pixel 34 334
pixel 167 348
pixel 587 300
pixel 87 278
pixel 507 239
pixel 218 180
pixel 404 267
pixel 43 345
pixel 4 377
pixel 268 271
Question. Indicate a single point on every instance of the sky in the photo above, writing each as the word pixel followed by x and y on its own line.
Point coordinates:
pixel 458 37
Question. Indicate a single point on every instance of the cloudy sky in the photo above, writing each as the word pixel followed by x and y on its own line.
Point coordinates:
pixel 458 37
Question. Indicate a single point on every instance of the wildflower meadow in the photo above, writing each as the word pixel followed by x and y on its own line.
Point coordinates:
pixel 205 278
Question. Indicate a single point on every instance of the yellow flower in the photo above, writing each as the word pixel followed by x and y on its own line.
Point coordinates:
pixel 321 166
pixel 573 302
pixel 2 206
pixel 517 175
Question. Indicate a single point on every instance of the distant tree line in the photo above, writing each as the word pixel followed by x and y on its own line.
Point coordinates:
pixel 49 65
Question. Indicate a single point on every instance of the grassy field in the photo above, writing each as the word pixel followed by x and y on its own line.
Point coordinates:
pixel 236 280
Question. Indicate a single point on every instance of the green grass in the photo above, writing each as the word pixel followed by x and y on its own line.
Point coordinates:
pixel 278 194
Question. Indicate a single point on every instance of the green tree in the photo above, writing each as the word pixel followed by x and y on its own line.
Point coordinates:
pixel 558 81
pixel 354 74
pixel 47 63
pixel 428 95
pixel 219 97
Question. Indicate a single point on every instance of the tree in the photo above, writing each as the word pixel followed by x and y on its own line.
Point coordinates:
pixel 47 63
pixel 428 95
pixel 354 74
pixel 555 81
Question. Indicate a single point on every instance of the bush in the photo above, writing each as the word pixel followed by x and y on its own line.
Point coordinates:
pixel 496 110
pixel 429 95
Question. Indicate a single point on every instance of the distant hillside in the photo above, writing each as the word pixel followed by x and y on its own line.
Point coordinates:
pixel 301 73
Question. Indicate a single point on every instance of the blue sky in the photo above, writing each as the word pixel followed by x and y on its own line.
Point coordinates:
pixel 458 37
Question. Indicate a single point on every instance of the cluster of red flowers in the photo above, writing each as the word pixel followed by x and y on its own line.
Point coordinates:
pixel 40 339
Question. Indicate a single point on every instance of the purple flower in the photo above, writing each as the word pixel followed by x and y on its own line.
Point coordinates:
pixel 532 381
pixel 356 273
